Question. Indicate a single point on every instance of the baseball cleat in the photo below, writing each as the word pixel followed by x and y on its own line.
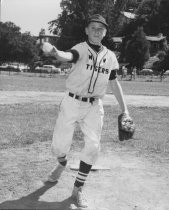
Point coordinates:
pixel 56 173
pixel 77 196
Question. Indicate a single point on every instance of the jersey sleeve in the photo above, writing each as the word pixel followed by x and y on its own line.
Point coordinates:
pixel 79 48
pixel 115 67
pixel 113 75
pixel 75 55
pixel 77 52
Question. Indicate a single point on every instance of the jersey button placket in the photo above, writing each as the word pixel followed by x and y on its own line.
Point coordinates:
pixel 93 77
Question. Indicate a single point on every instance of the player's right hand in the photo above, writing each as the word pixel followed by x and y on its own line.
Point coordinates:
pixel 46 47
pixel 49 50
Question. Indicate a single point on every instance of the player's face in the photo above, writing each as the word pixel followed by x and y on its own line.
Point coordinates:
pixel 95 32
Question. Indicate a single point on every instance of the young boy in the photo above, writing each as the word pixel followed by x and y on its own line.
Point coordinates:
pixel 93 66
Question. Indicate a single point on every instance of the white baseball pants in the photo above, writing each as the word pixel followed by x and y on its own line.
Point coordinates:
pixel 90 118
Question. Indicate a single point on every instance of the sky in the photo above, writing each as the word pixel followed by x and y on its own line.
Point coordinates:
pixel 30 15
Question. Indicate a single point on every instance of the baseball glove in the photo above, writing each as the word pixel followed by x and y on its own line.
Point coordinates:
pixel 126 127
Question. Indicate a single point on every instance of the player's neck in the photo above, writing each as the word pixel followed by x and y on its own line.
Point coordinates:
pixel 95 43
pixel 95 47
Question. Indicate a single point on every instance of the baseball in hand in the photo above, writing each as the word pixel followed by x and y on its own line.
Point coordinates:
pixel 47 47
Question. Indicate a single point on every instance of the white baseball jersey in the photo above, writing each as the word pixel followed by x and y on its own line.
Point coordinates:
pixel 89 76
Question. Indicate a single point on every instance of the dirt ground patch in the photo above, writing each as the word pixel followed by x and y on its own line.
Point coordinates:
pixel 135 181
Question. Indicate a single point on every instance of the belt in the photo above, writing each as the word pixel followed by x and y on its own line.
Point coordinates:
pixel 85 99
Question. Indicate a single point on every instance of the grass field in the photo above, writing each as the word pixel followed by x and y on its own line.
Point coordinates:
pixel 32 82
pixel 24 124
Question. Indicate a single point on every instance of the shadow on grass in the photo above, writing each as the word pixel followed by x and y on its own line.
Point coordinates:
pixel 31 201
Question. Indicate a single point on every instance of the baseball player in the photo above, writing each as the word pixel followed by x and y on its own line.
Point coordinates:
pixel 93 66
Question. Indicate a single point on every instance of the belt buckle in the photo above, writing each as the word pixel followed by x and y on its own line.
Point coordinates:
pixel 80 98
pixel 88 100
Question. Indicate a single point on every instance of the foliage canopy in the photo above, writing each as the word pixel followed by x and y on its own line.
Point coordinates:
pixel 16 46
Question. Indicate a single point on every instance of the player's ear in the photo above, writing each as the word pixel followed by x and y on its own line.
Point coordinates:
pixel 105 31
pixel 86 30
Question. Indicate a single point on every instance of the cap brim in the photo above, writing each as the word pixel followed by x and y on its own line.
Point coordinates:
pixel 93 20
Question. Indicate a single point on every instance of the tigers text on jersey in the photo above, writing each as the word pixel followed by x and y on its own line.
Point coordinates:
pixel 89 76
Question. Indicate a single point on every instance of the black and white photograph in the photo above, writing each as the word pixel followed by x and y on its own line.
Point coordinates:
pixel 84 104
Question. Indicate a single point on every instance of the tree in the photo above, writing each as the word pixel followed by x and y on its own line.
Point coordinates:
pixel 69 25
pixel 150 10
pixel 9 41
pixel 71 22
pixel 117 23
pixel 16 46
pixel 164 17
pixel 42 32
pixel 163 64
pixel 137 50
pixel 156 12
pixel 29 49
pixel 148 7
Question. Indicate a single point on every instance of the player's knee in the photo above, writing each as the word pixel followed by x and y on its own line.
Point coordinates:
pixel 94 151
pixel 56 151
pixel 90 153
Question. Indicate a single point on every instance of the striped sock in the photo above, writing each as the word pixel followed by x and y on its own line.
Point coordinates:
pixel 83 172
pixel 62 160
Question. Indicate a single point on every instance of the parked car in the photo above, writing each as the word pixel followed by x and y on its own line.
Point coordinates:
pixel 167 72
pixel 13 66
pixel 48 69
pixel 146 72
pixel 10 67
pixel 4 66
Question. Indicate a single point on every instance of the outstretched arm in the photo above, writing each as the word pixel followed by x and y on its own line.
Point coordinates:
pixel 50 50
pixel 118 93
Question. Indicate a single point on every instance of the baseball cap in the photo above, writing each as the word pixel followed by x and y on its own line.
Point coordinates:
pixel 97 18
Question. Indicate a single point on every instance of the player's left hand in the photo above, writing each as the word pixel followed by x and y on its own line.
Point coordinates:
pixel 126 127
